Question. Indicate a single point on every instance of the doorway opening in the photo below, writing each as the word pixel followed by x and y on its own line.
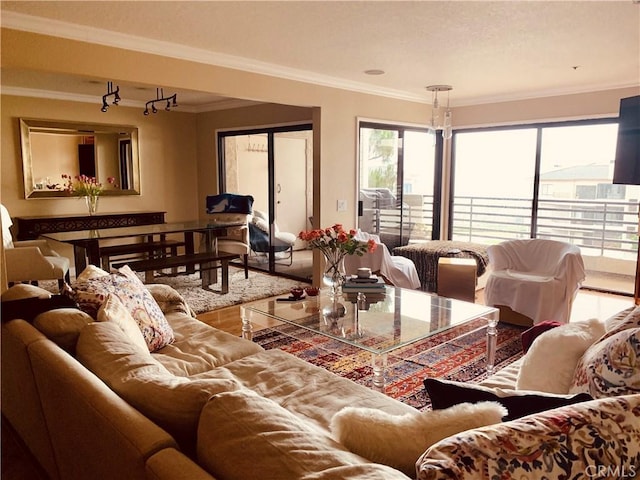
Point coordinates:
pixel 275 166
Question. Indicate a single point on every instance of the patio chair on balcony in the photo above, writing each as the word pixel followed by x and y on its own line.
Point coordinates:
pixel 534 280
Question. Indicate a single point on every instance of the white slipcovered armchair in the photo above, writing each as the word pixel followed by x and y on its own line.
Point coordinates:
pixel 397 270
pixel 536 278
pixel 31 260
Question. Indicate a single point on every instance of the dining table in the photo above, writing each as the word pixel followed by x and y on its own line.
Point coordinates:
pixel 86 243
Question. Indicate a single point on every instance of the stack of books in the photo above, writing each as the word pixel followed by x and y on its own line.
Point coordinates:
pixel 373 284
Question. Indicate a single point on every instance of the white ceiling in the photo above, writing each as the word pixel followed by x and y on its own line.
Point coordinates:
pixel 487 50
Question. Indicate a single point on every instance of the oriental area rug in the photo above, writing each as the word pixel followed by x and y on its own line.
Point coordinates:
pixel 456 354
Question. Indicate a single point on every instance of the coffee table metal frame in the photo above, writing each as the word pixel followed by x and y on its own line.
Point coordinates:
pixel 378 322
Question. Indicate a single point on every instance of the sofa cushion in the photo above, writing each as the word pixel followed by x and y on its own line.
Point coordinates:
pixel 551 360
pixel 295 384
pixel 567 442
pixel 125 284
pixel 519 403
pixel 171 401
pixel 244 435
pixel 62 326
pixel 611 366
pixel 399 440
pixel 112 310
pixel 198 347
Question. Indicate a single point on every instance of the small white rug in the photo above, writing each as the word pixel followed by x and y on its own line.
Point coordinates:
pixel 241 290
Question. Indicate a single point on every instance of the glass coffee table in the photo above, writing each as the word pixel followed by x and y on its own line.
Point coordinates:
pixel 375 322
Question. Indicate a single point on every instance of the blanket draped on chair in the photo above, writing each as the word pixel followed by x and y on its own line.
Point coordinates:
pixel 229 203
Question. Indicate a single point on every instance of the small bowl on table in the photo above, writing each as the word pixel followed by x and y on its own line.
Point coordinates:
pixel 297 292
pixel 312 291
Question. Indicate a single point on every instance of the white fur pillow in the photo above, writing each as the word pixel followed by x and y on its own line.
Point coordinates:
pixel 552 358
pixel 399 440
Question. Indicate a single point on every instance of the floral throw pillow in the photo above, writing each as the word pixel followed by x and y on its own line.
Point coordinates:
pixel 91 293
pixel 611 366
pixel 576 441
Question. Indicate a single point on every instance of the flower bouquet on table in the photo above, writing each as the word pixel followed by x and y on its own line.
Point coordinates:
pixel 335 243
pixel 87 187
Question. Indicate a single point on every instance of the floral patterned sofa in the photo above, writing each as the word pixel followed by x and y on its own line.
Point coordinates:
pixel 599 438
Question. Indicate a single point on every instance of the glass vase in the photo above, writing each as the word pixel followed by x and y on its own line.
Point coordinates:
pixel 92 203
pixel 333 271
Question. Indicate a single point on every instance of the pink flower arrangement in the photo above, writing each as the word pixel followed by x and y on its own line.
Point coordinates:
pixel 335 240
pixel 84 186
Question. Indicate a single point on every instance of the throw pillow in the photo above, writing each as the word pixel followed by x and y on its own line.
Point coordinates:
pixel 399 440
pixel 112 310
pixel 90 272
pixel 126 285
pixel 611 366
pixel 20 291
pixel 623 317
pixel 446 393
pixel 567 442
pixel 631 320
pixel 62 326
pixel 551 360
pixel 528 336
pixel 29 308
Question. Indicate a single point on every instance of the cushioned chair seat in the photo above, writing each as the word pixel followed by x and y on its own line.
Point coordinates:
pixel 537 278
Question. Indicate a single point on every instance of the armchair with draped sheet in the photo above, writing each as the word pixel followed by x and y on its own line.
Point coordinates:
pixel 31 260
pixel 536 278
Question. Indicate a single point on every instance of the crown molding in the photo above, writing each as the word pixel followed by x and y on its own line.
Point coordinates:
pixel 71 31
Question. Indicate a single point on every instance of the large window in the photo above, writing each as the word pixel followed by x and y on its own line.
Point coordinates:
pixel 548 181
pixel 399 183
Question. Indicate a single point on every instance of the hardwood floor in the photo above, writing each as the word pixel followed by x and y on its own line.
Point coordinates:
pixel 18 464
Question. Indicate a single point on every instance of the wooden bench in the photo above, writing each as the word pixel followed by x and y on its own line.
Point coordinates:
pixel 155 249
pixel 207 261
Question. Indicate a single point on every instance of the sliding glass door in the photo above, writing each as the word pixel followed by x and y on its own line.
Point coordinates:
pixel 274 165
pixel 397 179
pixel 548 181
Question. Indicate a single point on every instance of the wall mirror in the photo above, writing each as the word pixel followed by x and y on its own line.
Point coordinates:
pixel 51 148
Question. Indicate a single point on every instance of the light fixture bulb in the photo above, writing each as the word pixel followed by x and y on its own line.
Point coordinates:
pixel 168 107
pixel 153 108
pixel 146 111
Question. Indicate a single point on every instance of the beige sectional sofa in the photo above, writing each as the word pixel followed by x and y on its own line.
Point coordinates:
pixel 89 403
pixel 78 427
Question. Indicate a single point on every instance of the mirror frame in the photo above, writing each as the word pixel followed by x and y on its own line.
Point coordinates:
pixel 28 125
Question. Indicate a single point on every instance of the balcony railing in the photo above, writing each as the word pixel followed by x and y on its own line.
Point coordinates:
pixel 604 229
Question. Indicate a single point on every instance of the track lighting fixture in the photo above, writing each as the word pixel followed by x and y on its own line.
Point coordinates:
pixel 110 91
pixel 171 102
